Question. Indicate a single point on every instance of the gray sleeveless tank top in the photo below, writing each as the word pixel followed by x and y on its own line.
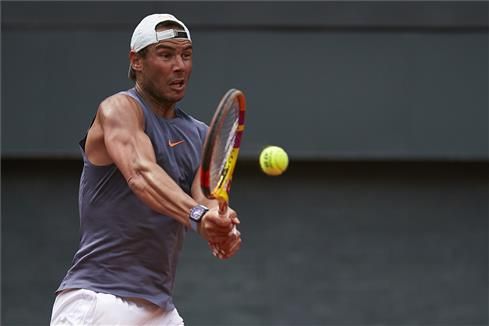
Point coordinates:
pixel 126 248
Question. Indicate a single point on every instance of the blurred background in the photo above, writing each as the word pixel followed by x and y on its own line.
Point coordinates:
pixel 382 216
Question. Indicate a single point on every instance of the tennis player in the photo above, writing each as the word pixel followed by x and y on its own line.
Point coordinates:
pixel 140 191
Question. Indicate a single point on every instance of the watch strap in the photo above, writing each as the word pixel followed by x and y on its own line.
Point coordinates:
pixel 194 225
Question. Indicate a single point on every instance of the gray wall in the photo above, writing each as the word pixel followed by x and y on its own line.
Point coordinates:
pixel 343 243
pixel 382 217
pixel 325 80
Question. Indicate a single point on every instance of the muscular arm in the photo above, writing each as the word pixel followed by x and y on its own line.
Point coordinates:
pixel 117 136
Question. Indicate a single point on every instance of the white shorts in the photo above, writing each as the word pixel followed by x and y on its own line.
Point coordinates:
pixel 84 307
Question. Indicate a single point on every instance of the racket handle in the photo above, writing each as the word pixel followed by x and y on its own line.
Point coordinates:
pixel 216 250
pixel 223 207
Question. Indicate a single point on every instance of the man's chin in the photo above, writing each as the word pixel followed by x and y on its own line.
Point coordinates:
pixel 169 95
pixel 177 97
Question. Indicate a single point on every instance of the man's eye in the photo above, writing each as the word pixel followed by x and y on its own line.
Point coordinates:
pixel 165 55
pixel 187 55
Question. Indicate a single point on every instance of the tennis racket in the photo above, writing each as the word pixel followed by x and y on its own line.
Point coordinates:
pixel 221 149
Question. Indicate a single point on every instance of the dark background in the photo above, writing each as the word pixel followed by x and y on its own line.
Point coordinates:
pixel 382 217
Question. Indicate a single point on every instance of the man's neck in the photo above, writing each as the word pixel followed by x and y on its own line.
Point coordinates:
pixel 161 107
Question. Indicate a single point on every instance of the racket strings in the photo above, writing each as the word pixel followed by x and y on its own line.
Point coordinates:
pixel 224 143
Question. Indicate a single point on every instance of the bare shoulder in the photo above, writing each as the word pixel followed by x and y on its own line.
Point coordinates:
pixel 120 107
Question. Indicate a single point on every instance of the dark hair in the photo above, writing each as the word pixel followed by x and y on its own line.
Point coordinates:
pixel 169 24
pixel 144 51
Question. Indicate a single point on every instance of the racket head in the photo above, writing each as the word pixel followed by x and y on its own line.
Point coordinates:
pixel 221 147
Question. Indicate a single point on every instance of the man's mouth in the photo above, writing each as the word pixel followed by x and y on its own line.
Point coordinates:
pixel 177 84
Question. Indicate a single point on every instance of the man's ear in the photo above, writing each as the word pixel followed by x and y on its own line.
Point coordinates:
pixel 136 61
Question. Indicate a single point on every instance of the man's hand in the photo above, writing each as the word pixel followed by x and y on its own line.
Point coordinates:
pixel 214 227
pixel 229 247
pixel 221 233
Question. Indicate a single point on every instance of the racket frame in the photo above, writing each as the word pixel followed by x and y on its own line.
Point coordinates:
pixel 221 191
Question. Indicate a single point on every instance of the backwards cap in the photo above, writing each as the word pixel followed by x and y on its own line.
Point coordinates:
pixel 145 33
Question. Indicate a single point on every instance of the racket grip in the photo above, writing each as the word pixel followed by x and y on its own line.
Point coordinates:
pixel 216 250
pixel 223 207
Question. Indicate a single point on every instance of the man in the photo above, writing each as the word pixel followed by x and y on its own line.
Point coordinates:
pixel 140 191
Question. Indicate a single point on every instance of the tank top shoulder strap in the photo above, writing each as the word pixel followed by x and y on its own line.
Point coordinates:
pixel 146 110
pixel 133 94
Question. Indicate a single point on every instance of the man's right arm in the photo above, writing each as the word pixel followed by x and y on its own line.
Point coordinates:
pixel 121 124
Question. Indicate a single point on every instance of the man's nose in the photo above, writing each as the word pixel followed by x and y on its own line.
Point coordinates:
pixel 178 64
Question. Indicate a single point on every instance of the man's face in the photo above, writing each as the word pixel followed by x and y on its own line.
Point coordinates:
pixel 166 69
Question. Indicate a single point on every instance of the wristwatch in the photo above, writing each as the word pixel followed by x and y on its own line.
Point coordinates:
pixel 196 214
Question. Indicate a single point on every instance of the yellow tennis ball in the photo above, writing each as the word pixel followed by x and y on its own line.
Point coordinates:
pixel 274 160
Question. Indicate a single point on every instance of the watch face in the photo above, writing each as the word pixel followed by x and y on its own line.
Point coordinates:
pixel 197 212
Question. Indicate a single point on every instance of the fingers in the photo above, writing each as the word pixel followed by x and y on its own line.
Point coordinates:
pixel 232 247
pixel 233 216
pixel 215 234
pixel 229 247
pixel 214 227
pixel 231 251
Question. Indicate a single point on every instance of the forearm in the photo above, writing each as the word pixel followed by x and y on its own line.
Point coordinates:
pixel 156 189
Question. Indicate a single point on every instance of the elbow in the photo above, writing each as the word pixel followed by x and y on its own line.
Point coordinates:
pixel 136 183
pixel 135 177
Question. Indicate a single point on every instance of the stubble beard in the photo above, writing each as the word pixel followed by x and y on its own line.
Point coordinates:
pixel 158 96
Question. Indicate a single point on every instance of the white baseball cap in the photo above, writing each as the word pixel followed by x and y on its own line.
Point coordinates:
pixel 145 33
